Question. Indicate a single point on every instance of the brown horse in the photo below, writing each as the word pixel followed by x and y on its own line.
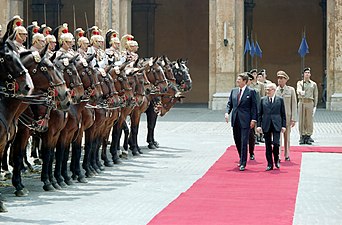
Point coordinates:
pixel 71 130
pixel 50 92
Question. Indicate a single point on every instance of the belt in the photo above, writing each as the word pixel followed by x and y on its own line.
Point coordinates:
pixel 306 100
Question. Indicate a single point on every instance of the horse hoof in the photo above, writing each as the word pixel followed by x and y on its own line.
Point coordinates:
pixel 82 180
pixel 3 207
pixel 56 186
pixel 69 182
pixel 8 175
pixel 74 177
pixel 151 145
pixel 102 168
pixel 108 164
pixel 135 153
pixel 89 174
pixel 48 187
pixel 117 161
pixel 98 171
pixel 156 144
pixel 20 193
pixel 25 191
pixel 62 184
pixel 140 152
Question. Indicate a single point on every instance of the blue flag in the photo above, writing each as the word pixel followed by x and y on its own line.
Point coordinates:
pixel 247 46
pixel 303 48
pixel 258 51
pixel 252 48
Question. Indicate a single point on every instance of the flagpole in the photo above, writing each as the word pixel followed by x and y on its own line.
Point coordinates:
pixel 256 58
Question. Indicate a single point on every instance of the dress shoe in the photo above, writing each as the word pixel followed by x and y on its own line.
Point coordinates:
pixel 269 168
pixel 287 158
pixel 242 168
pixel 310 139
pixel 277 165
pixel 252 157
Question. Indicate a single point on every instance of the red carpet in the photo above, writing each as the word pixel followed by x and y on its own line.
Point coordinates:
pixel 225 195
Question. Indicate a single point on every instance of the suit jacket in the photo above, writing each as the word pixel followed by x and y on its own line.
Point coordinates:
pixel 246 110
pixel 272 112
pixel 290 101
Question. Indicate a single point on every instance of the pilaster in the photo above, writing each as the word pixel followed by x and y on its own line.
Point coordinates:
pixel 225 61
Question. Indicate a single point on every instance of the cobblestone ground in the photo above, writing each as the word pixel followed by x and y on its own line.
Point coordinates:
pixel 191 139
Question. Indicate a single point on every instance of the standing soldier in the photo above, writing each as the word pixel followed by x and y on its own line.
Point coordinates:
pixel 307 96
pixel 290 100
pixel 260 90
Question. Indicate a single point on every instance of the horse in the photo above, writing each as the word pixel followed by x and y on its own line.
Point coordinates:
pixel 50 92
pixel 92 90
pixel 184 84
pixel 14 82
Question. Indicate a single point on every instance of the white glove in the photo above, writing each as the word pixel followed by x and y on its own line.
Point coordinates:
pixel 302 93
pixel 314 111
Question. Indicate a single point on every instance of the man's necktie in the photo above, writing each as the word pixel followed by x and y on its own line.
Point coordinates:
pixel 281 90
pixel 270 99
pixel 239 95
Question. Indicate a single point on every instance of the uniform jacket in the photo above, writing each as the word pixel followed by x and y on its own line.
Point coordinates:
pixel 290 101
pixel 246 110
pixel 311 91
pixel 271 112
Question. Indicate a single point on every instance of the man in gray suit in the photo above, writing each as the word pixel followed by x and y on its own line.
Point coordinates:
pixel 242 104
pixel 272 121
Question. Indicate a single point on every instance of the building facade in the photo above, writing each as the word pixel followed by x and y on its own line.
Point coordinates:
pixel 197 30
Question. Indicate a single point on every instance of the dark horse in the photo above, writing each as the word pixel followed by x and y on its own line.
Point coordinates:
pixel 15 82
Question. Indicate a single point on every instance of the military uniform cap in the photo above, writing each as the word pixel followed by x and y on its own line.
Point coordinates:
pixel 253 71
pixel 283 74
pixel 306 69
pixel 250 76
pixel 260 73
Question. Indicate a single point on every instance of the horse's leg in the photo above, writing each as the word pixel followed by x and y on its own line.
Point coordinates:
pixel 135 119
pixel 59 154
pixel 4 163
pixel 151 123
pixel 45 169
pixel 93 158
pixel 50 170
pixel 75 165
pixel 126 131
pixel 67 178
pixel 87 154
pixel 2 205
pixel 18 148
pixel 113 145
pixel 98 148
pixel 104 157
pixel 35 151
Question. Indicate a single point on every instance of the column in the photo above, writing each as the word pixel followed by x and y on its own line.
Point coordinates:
pixel 225 62
pixel 9 8
pixel 334 55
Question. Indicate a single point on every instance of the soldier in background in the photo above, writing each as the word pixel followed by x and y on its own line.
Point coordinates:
pixel 260 90
pixel 51 41
pixel 251 140
pixel 83 45
pixel 32 30
pixel 290 100
pixel 20 38
pixel 307 102
pixel 16 21
pixel 97 44
pixel 66 42
pixel 58 31
pixel 38 42
pixel 79 33
pixel 45 30
pixel 113 45
pixel 132 54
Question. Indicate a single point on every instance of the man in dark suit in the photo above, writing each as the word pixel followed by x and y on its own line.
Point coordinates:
pixel 242 104
pixel 271 121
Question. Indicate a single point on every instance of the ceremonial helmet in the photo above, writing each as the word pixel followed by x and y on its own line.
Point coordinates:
pixel 20 30
pixel 32 30
pixel 58 31
pixel 50 38
pixel 16 21
pixel 82 41
pixel 38 37
pixel 97 41
pixel 67 37
pixel 94 30
pixel 79 32
pixel 124 39
pixel 110 35
pixel 131 44
pixel 45 30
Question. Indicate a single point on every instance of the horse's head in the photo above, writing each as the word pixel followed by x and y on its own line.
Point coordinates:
pixel 14 78
pixel 155 75
pixel 90 80
pixel 73 81
pixel 182 75
pixel 47 81
pixel 110 95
